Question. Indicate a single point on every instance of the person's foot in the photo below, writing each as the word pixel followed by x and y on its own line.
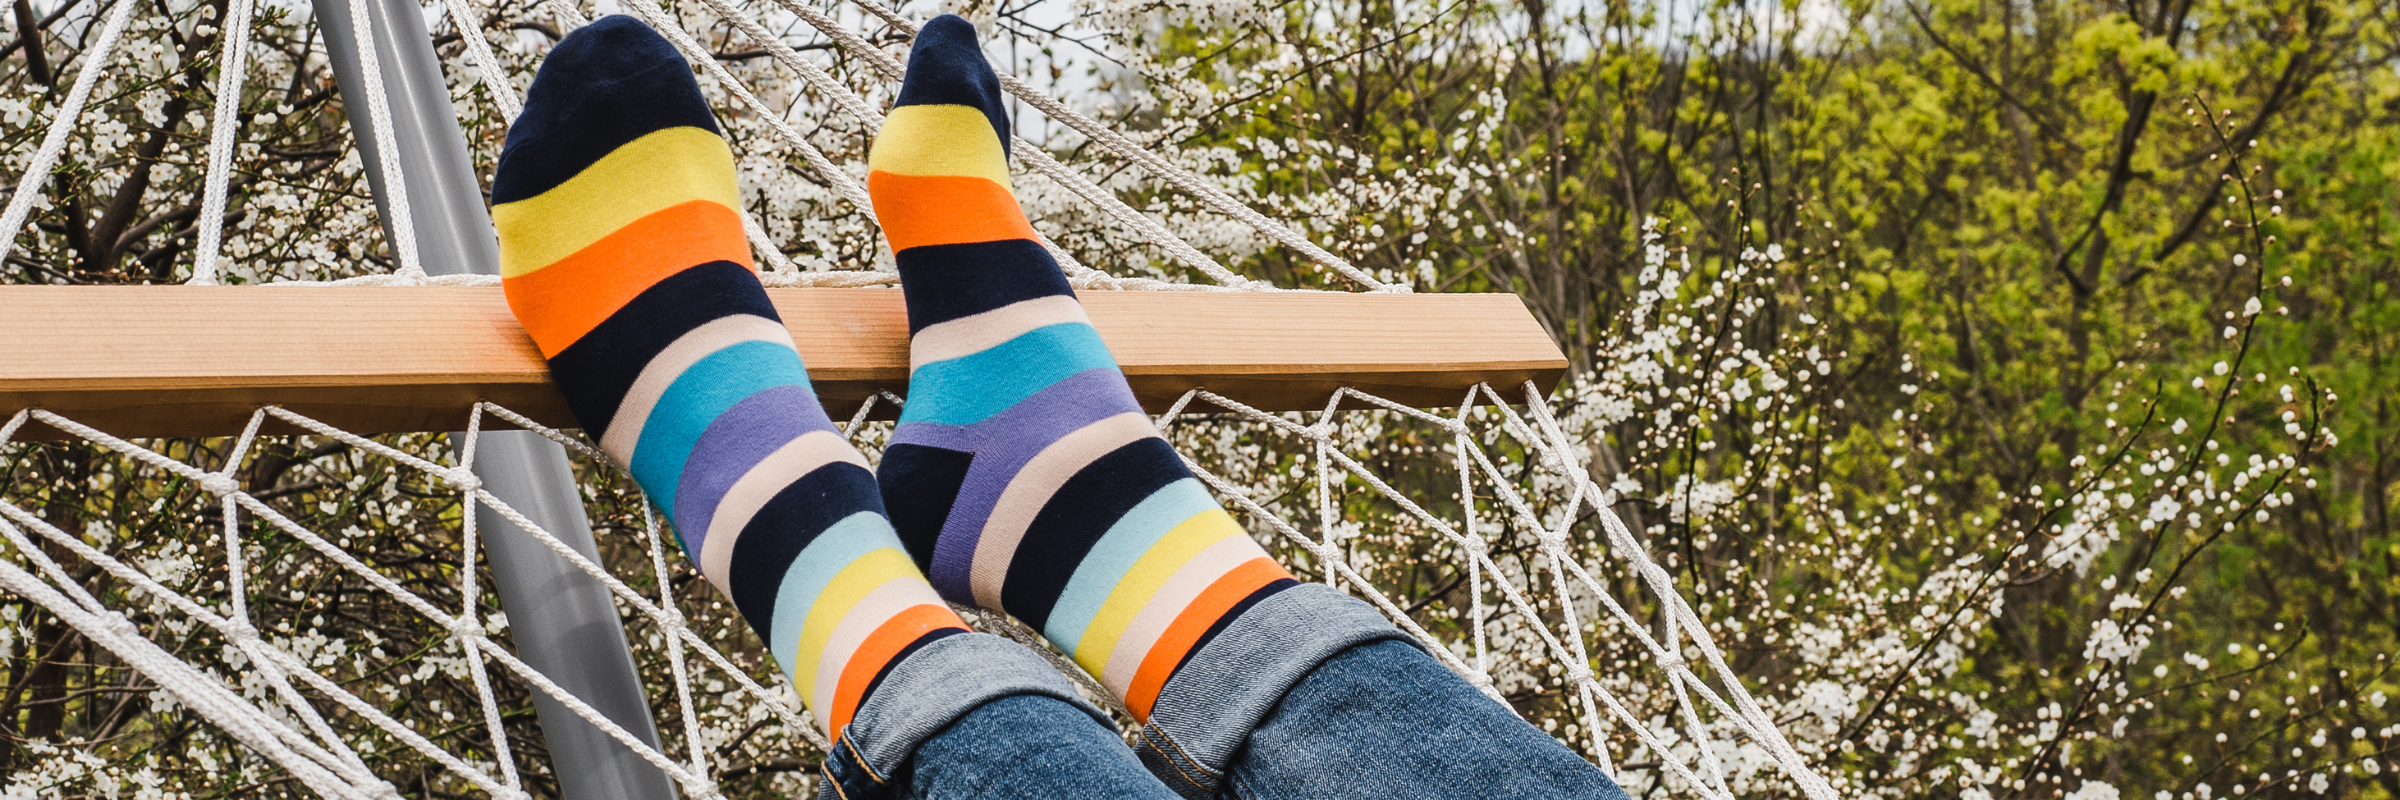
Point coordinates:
pixel 622 253
pixel 1024 476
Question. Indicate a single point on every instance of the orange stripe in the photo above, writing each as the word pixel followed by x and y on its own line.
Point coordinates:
pixel 1195 620
pixel 561 302
pixel 887 641
pixel 919 210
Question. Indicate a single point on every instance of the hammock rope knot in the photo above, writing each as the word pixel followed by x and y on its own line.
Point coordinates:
pixel 467 628
pixel 462 478
pixel 240 630
pixel 219 484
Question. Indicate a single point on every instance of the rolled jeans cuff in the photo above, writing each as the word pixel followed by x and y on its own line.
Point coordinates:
pixel 1206 711
pixel 921 696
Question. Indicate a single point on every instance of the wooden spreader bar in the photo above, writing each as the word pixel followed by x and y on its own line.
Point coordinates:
pixel 196 360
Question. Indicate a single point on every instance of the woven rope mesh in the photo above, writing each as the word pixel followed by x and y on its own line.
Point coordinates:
pixel 300 609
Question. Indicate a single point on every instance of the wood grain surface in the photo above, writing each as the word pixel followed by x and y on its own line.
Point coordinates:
pixel 195 360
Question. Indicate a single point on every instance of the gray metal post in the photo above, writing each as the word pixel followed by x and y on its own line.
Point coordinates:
pixel 562 620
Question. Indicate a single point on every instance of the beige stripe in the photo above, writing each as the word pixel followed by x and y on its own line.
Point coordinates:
pixel 625 429
pixel 976 333
pixel 794 460
pixel 1173 596
pixel 871 611
pixel 1033 486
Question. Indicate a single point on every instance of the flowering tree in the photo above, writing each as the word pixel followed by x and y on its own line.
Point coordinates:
pixel 2003 385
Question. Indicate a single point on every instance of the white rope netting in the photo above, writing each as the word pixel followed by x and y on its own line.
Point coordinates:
pixel 1641 686
pixel 1544 603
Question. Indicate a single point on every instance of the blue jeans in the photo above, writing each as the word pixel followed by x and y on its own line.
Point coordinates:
pixel 1377 719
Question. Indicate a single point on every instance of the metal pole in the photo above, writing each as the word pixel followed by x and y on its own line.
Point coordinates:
pixel 564 622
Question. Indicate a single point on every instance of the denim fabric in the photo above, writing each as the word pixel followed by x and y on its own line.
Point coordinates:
pixel 1378 719
pixel 935 687
pixel 1211 704
pixel 1384 720
pixel 1032 747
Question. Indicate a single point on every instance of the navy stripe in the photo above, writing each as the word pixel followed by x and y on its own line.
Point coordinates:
pixel 784 527
pixel 930 637
pixel 606 84
pixel 920 485
pixel 1075 518
pixel 596 370
pixel 1270 590
pixel 946 67
pixel 944 282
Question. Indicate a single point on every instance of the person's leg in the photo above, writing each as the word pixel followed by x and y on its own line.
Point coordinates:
pixel 1029 746
pixel 622 253
pixel 1385 720
pixel 1025 478
pixel 1023 475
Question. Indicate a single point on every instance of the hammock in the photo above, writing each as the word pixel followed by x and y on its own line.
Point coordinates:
pixel 1690 724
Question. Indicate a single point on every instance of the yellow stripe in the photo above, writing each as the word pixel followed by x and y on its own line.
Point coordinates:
pixel 1149 573
pixel 940 140
pixel 662 169
pixel 852 584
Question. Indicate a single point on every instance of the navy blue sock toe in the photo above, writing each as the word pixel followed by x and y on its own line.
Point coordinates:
pixel 945 67
pixel 606 84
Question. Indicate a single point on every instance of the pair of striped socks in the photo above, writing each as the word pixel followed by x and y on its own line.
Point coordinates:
pixel 1023 476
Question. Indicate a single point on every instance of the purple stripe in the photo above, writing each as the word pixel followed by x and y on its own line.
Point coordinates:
pixel 733 443
pixel 1002 444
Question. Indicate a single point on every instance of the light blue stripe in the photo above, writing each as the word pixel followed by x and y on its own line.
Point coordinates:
pixel 824 557
pixel 694 400
pixel 1114 554
pixel 970 388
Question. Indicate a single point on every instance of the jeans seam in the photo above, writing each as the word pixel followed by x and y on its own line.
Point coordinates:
pixel 861 758
pixel 830 780
pixel 1178 755
pixel 1163 756
pixel 1170 740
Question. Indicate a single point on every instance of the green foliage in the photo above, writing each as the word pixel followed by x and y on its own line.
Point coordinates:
pixel 2041 218
pixel 1931 326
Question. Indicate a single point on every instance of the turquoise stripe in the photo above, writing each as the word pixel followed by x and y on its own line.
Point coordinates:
pixel 846 541
pixel 1113 556
pixel 970 388
pixel 695 399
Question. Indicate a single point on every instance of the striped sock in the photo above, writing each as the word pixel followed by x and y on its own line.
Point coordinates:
pixel 1023 476
pixel 622 253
